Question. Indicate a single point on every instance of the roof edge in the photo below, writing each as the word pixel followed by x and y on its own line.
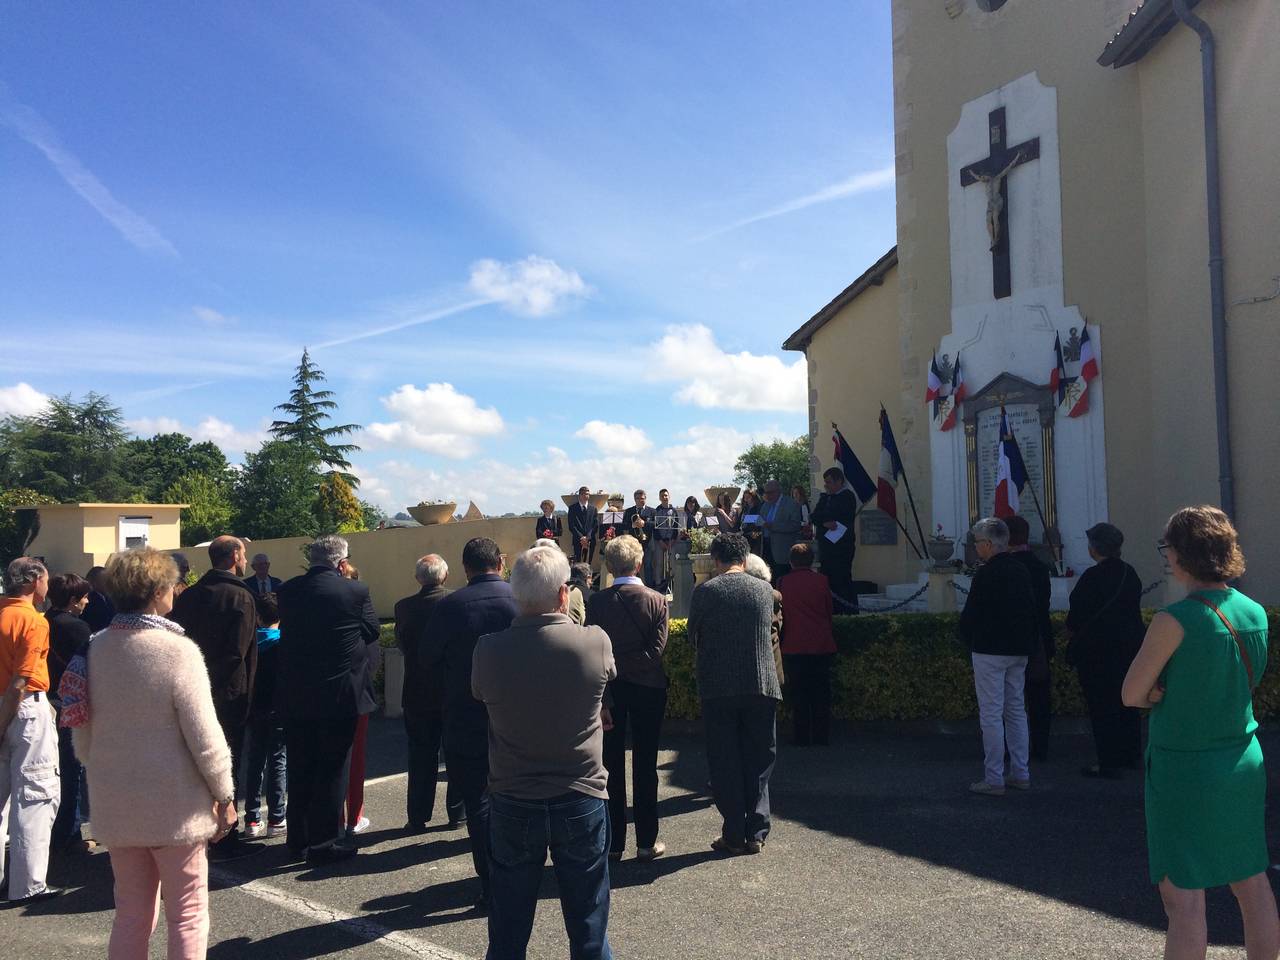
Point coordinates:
pixel 873 277
pixel 1146 26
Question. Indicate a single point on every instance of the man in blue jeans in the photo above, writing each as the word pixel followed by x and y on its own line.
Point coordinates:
pixel 542 680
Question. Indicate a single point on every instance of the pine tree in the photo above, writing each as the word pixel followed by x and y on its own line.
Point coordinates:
pixel 310 410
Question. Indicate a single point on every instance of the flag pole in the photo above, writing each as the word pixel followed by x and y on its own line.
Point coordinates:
pixel 910 499
pixel 863 503
pixel 1055 550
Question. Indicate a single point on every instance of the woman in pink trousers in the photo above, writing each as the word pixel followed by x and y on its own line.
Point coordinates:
pixel 159 769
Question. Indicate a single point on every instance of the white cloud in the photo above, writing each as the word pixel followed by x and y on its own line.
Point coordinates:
pixel 614 437
pixel 212 317
pixel 33 128
pixel 437 419
pixel 858 183
pixel 734 381
pixel 534 286
pixel 21 400
pixel 695 459
pixel 229 439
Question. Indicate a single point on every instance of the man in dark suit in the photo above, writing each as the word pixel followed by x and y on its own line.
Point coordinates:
pixel 582 527
pixel 635 618
pixel 218 613
pixel 423 697
pixel 326 624
pixel 1039 686
pixel 99 610
pixel 837 506
pixel 484 605
pixel 637 521
pixel 262 581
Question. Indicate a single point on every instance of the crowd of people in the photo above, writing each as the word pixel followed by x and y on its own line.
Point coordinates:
pixel 532 683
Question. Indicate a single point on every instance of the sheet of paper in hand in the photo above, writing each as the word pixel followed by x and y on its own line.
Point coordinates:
pixel 752 519
pixel 835 535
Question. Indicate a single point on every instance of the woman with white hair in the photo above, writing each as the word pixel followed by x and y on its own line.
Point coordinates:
pixel 756 567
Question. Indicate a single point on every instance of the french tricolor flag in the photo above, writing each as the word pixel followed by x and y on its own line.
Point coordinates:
pixel 957 396
pixel 889 470
pixel 935 381
pixel 1011 472
pixel 1088 372
pixel 1058 376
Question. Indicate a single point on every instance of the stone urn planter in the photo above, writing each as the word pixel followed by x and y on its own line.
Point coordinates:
pixel 703 567
pixel 940 549
pixel 597 499
pixel 713 492
pixel 432 513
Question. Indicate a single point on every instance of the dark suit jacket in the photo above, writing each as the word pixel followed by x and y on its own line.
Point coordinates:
pixel 326 624
pixel 218 613
pixel 549 528
pixel 252 583
pixel 646 513
pixel 841 507
pixel 423 686
pixel 635 618
pixel 1042 589
pixel 582 521
pixel 483 606
pixel 999 616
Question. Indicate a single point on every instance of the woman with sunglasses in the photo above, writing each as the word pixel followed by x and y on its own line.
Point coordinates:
pixel 1206 787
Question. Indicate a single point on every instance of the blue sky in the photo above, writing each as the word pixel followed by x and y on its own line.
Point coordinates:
pixel 532 245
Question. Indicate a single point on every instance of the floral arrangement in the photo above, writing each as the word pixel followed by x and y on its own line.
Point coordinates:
pixel 700 539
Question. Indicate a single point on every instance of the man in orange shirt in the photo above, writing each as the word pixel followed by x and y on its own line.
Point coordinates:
pixel 28 735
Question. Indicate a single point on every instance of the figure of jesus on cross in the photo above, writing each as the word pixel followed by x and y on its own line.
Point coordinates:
pixel 993 173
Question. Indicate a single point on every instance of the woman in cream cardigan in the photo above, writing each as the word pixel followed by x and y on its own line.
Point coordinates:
pixel 158 765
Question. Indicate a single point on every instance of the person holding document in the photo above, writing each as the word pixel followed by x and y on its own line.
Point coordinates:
pixel 832 520
pixel 749 522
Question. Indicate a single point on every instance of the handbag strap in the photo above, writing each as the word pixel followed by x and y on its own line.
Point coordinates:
pixel 1248 664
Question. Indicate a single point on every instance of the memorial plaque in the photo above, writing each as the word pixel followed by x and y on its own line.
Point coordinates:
pixel 877 529
pixel 1024 423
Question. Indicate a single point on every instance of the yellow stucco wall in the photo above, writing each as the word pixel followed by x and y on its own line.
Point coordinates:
pixel 1134 249
pixel 854 366
pixel 386 558
pixel 75 537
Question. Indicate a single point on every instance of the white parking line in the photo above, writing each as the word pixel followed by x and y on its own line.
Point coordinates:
pixel 360 927
pixel 391 776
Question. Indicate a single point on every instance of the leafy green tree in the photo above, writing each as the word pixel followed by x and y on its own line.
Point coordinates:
pixel 18 528
pixel 157 463
pixel 274 495
pixel 309 411
pixel 373 514
pixel 337 509
pixel 784 461
pixel 68 451
pixel 209 512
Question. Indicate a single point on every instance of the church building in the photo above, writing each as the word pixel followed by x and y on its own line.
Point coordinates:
pixel 1087 257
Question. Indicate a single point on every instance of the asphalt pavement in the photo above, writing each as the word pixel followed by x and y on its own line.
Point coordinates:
pixel 878 851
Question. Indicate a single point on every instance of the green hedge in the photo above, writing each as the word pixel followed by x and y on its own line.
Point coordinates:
pixel 911 667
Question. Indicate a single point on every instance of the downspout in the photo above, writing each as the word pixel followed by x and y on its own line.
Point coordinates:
pixel 1217 294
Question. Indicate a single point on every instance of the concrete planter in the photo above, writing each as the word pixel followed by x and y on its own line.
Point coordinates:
pixel 393 682
pixel 713 492
pixel 431 513
pixel 597 500
pixel 703 567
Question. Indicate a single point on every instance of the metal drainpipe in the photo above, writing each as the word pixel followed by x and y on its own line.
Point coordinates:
pixel 1217 286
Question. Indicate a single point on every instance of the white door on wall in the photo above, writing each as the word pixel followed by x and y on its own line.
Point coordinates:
pixel 134 532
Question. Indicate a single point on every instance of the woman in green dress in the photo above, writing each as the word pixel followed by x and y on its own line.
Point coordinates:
pixel 1206 787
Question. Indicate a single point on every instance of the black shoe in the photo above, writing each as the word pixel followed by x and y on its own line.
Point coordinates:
pixel 455 824
pixel 415 828
pixel 1100 773
pixel 231 849
pixel 333 853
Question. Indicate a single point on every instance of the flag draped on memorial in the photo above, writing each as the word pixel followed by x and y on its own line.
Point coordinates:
pixel 854 473
pixel 935 381
pixel 1079 397
pixel 1011 472
pixel 956 398
pixel 1058 376
pixel 890 469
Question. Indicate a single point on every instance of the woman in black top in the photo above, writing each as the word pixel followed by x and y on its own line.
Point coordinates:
pixel 68 636
pixel 752 531
pixel 1105 630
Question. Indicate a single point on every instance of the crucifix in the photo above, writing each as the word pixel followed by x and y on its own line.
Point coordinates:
pixel 993 173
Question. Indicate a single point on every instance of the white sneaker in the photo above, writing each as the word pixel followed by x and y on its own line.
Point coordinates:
pixel 362 825
pixel 986 789
pixel 277 829
pixel 254 828
pixel 1018 784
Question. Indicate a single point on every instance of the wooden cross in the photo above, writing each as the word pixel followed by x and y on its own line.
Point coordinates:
pixel 993 171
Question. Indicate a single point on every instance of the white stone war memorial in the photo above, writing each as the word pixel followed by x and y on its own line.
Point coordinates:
pixel 1088 240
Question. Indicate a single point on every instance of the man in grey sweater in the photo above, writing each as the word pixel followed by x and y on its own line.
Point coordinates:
pixel 542 681
pixel 729 620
